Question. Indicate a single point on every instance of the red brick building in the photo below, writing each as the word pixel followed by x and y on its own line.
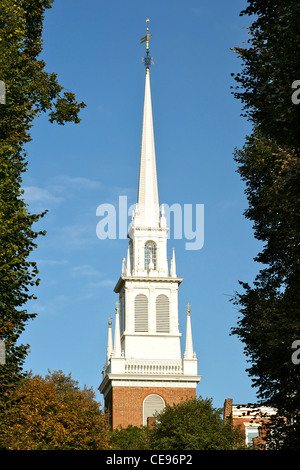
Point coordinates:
pixel 132 405
pixel 251 419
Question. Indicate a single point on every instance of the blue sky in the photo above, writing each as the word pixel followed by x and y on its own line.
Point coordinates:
pixel 94 48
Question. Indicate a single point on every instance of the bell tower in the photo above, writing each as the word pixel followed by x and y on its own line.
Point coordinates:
pixel 144 369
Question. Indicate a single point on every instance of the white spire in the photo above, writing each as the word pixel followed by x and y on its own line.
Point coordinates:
pixel 117 344
pixel 148 191
pixel 189 351
pixel 109 342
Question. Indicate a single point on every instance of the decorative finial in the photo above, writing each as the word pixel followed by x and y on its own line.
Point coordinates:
pixel 109 321
pixel 117 306
pixel 147 60
pixel 188 308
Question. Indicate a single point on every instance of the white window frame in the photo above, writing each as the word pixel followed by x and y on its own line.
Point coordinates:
pixel 250 428
pixel 150 248
pixel 148 396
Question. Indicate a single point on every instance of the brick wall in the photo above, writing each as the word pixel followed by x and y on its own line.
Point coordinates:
pixel 126 403
pixel 244 416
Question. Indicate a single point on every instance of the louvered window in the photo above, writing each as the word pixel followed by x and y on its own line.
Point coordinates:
pixel 152 404
pixel 141 313
pixel 162 314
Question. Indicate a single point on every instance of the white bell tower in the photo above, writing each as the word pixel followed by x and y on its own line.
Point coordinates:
pixel 146 356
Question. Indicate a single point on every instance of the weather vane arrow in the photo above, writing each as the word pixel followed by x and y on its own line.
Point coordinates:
pixel 145 39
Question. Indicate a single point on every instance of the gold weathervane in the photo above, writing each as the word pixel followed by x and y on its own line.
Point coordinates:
pixel 147 60
pixel 147 37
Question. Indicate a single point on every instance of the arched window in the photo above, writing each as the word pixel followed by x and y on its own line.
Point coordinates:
pixel 141 313
pixel 150 254
pixel 152 404
pixel 162 314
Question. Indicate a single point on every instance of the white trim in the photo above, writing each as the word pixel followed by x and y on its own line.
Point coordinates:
pixel 150 382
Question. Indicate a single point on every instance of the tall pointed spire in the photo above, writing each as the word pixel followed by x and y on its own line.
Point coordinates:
pixel 148 205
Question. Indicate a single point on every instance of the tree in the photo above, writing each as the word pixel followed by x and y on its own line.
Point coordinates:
pixel 30 91
pixel 130 438
pixel 269 165
pixel 271 70
pixel 269 323
pixel 17 273
pixel 54 414
pixel 194 425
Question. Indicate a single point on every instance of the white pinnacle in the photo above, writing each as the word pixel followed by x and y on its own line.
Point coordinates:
pixel 117 343
pixel 189 351
pixel 109 342
pixel 173 265
pixel 128 264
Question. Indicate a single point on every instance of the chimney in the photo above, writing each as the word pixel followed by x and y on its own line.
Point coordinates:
pixel 227 413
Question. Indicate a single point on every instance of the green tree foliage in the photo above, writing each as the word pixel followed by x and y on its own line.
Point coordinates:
pixel 30 91
pixel 271 64
pixel 269 165
pixel 54 414
pixel 194 425
pixel 17 273
pixel 271 175
pixel 270 321
pixel 130 438
pixel 190 425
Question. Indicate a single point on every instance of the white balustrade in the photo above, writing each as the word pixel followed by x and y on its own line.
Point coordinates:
pixel 159 367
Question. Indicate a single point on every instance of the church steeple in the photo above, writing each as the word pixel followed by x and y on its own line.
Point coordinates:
pixel 145 370
pixel 147 203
